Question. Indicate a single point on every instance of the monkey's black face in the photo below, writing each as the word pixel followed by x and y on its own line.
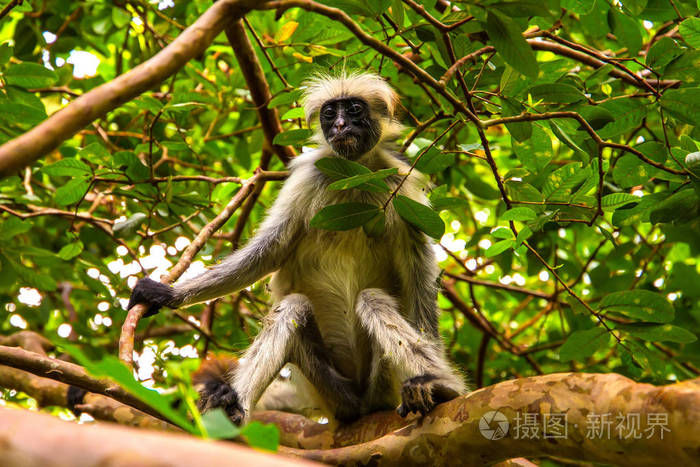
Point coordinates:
pixel 348 127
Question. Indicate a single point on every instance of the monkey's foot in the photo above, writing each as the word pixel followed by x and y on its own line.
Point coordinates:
pixel 221 395
pixel 417 395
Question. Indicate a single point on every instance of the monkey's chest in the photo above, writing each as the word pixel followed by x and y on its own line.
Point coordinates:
pixel 331 269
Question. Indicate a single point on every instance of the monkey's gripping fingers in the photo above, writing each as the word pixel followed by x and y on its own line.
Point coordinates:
pixel 217 394
pixel 151 293
pixel 417 395
pixel 422 393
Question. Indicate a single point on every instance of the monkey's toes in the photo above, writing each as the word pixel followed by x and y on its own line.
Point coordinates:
pixel 222 396
pixel 416 396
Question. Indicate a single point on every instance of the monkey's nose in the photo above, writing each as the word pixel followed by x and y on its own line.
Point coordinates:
pixel 339 123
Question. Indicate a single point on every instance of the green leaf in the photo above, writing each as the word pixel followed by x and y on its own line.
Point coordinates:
pixel 520 213
pixel 120 17
pixel 581 7
pixel 690 32
pixel 556 93
pixel 30 75
pixel 449 202
pixel 72 192
pixel 374 181
pixel 659 332
pixel 636 7
pixel 476 185
pixel 67 167
pixel 510 43
pixel 292 137
pixel 376 226
pixel 12 226
pixel 523 235
pixel 520 131
pixel 627 30
pixel 683 104
pixel 218 425
pixel 499 247
pixel 342 169
pixel 71 250
pixel 663 52
pixel 682 205
pixel 582 344
pixel 344 216
pixel 262 436
pixel 285 98
pixel 434 161
pixel 16 112
pixel 536 152
pixel 337 167
pixel 629 171
pixel 562 181
pixel 295 112
pixel 616 200
pixel 639 304
pixel 502 232
pixel 420 216
pixel 5 53
pixel 111 367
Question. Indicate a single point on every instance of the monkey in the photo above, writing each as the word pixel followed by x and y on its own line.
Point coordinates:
pixel 356 314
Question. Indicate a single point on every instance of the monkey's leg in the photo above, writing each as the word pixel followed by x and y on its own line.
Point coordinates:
pixel 415 358
pixel 290 334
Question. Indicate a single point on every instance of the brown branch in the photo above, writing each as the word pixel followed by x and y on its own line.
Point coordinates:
pixel 498 285
pixel 530 117
pixel 587 58
pixel 48 392
pixel 405 62
pixel 28 340
pixel 9 7
pixel 34 439
pixel 69 373
pixel 451 433
pixel 258 87
pixel 94 104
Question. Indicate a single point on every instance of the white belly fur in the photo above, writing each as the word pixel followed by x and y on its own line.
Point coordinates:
pixel 331 268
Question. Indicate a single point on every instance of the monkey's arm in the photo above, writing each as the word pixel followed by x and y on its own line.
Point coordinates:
pixel 417 267
pixel 263 254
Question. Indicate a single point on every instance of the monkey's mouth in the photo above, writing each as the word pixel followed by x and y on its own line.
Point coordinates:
pixel 344 139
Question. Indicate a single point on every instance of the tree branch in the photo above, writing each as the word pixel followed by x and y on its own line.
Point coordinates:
pixel 69 373
pixel 30 438
pixel 451 430
pixel 258 86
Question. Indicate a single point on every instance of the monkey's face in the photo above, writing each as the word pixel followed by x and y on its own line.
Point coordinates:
pixel 348 126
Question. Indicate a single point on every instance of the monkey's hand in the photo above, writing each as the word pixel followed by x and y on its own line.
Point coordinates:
pixel 151 293
pixel 217 394
pixel 422 393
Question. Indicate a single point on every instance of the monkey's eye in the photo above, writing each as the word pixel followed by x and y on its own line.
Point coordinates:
pixel 355 109
pixel 328 112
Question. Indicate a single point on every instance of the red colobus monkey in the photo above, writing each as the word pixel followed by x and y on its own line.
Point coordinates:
pixel 356 314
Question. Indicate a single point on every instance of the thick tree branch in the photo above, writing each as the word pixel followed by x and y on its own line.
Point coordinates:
pixel 258 86
pixel 69 373
pixel 450 433
pixel 57 443
pixel 49 392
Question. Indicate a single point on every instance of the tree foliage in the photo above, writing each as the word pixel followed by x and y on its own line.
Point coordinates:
pixel 561 137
